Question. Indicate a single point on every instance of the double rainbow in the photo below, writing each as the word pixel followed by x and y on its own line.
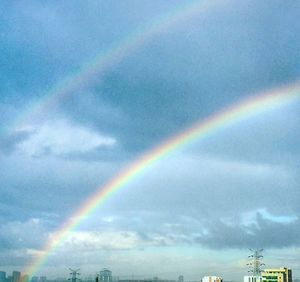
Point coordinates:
pixel 252 106
pixel 105 60
pixel 94 69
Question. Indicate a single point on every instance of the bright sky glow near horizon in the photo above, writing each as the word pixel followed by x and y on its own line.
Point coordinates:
pixel 197 211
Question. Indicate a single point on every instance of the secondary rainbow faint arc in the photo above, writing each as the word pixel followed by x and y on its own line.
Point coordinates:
pixel 244 109
pixel 112 56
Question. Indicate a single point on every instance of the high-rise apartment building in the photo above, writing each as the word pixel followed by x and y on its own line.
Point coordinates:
pixel 2 276
pixel 277 275
pixel 34 279
pixel 25 278
pixel 180 278
pixel 43 279
pixel 212 279
pixel 16 276
pixel 105 275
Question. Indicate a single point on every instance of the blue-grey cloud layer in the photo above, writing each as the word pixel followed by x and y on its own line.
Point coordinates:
pixel 228 191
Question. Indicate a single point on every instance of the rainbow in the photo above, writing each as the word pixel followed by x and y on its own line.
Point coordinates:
pixel 93 70
pixel 103 61
pixel 235 113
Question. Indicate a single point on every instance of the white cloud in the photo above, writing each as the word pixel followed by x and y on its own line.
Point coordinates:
pixel 18 234
pixel 108 240
pixel 115 240
pixel 61 137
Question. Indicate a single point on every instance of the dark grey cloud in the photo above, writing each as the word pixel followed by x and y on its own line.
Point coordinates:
pixel 263 233
pixel 198 68
pixel 9 143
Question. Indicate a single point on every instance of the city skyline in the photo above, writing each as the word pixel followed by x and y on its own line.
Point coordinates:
pixel 283 274
pixel 149 136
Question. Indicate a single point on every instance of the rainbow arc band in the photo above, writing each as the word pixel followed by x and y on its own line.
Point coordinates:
pixel 105 60
pixel 102 62
pixel 93 69
pixel 235 113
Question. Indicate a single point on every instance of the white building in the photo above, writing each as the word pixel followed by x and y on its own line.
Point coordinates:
pixel 212 279
pixel 252 278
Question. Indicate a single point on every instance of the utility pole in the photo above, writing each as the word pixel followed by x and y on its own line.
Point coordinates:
pixel 74 274
pixel 255 262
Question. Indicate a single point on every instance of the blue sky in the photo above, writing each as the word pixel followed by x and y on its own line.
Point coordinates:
pixel 199 208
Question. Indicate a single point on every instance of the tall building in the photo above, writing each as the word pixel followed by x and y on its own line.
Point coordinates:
pixel 212 279
pixel 2 276
pixel 25 278
pixel 180 278
pixel 16 276
pixel 105 275
pixel 34 279
pixel 43 279
pixel 282 274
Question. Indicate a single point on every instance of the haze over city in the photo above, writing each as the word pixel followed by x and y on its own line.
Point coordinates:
pixel 88 87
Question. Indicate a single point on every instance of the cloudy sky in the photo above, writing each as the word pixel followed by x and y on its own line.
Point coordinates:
pixel 196 211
